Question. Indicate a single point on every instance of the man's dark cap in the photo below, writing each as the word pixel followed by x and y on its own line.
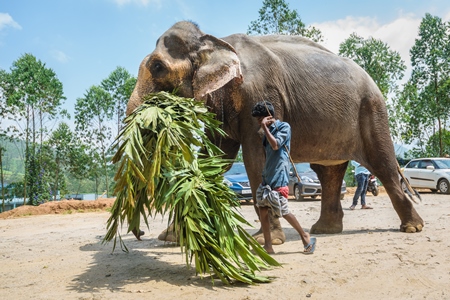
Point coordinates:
pixel 263 109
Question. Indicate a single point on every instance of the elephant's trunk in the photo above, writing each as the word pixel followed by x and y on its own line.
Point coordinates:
pixel 134 102
pixel 144 86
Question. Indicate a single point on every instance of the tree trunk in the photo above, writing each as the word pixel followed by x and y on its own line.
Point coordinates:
pixel 105 167
pixel 27 141
pixel 56 179
pixel 1 176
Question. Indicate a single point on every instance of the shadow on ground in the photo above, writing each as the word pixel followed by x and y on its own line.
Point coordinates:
pixel 118 271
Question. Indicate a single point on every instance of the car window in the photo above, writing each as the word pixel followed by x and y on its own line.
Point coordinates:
pixel 236 169
pixel 303 168
pixel 442 163
pixel 413 164
pixel 425 163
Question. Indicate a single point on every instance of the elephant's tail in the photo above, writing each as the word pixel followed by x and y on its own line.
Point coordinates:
pixel 412 193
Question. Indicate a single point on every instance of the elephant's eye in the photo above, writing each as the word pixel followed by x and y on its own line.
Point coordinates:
pixel 157 68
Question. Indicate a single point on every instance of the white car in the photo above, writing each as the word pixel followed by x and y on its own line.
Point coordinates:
pixel 429 173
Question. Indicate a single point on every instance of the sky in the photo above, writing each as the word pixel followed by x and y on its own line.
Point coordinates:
pixel 83 41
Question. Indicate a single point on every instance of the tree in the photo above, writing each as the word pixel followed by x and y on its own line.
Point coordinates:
pixel 92 113
pixel 384 65
pixel 33 96
pixel 59 151
pixel 1 177
pixel 119 85
pixel 275 17
pixel 429 105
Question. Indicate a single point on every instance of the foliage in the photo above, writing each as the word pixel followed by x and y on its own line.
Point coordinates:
pixel 99 117
pixel 33 96
pixel 430 147
pixel 161 171
pixel 13 161
pixel 92 113
pixel 275 17
pixel 2 183
pixel 426 97
pixel 25 121
pixel 59 150
pixel 119 85
pixel 384 65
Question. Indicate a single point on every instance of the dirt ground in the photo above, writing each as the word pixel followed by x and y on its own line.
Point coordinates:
pixel 55 251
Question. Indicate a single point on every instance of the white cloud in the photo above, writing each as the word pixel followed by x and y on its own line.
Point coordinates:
pixel 399 35
pixel 60 56
pixel 447 17
pixel 7 20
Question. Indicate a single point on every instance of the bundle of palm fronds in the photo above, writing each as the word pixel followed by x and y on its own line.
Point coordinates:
pixel 168 165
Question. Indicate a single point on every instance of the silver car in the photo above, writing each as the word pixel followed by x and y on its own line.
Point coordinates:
pixel 429 173
pixel 310 185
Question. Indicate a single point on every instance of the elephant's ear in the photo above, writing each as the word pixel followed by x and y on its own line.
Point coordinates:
pixel 217 66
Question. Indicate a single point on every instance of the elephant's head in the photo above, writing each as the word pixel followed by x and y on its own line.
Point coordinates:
pixel 187 60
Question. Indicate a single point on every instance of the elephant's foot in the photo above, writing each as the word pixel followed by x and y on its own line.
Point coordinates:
pixel 278 237
pixel 137 233
pixel 411 222
pixel 324 227
pixel 409 228
pixel 276 233
pixel 169 235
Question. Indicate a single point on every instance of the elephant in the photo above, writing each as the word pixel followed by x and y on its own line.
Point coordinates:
pixel 335 110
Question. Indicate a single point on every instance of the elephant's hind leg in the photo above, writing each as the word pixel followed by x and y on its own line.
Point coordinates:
pixel 331 214
pixel 410 220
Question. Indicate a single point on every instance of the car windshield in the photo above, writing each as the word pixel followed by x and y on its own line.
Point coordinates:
pixel 236 169
pixel 303 168
pixel 443 163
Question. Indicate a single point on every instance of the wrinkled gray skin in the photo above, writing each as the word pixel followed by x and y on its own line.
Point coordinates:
pixel 335 110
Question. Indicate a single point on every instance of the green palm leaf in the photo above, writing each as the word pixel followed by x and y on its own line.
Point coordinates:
pixel 167 165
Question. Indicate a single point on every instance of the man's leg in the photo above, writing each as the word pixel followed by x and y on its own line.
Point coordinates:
pixel 358 192
pixel 364 181
pixel 296 225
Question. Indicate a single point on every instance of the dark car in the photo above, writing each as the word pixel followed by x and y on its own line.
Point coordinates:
pixel 236 178
pixel 75 197
pixel 310 185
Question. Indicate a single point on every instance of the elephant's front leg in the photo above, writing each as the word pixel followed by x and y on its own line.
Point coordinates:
pixel 331 214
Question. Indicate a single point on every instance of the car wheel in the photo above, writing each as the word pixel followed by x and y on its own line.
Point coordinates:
pixel 403 185
pixel 443 186
pixel 298 193
pixel 375 191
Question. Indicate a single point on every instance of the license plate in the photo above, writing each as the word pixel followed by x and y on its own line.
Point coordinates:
pixel 245 192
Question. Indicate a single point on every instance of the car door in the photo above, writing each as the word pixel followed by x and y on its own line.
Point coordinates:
pixel 411 172
pixel 424 175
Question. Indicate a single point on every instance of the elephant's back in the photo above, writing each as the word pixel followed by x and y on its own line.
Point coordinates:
pixel 318 92
pixel 304 75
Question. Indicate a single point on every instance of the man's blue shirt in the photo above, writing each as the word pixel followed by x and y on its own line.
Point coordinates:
pixel 276 168
pixel 359 169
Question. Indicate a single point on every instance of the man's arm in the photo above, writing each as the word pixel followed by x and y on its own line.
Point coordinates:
pixel 265 123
